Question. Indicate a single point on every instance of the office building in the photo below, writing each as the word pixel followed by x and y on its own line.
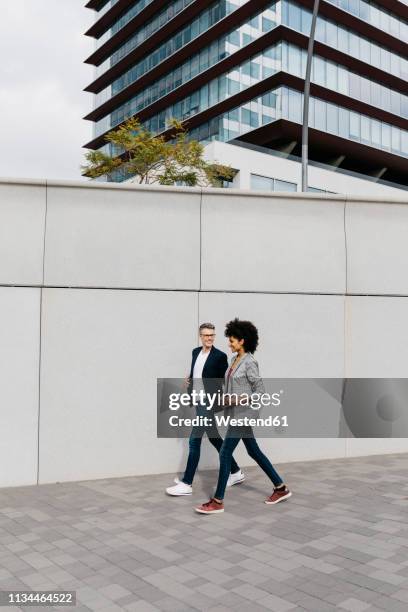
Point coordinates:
pixel 234 71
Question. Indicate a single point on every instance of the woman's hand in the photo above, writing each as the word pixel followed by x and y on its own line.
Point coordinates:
pixel 231 401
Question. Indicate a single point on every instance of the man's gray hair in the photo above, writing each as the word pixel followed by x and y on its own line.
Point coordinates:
pixel 206 326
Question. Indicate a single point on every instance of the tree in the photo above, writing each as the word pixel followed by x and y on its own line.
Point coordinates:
pixel 153 159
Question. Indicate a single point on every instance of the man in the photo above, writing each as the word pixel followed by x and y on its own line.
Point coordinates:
pixel 208 362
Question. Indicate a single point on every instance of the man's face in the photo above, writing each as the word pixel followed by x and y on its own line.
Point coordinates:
pixel 207 337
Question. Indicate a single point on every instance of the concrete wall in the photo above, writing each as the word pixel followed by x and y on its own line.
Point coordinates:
pixel 102 288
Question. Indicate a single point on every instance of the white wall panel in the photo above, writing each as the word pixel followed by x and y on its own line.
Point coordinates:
pixel 22 220
pixel 376 347
pixel 102 352
pixel 377 337
pixel 300 335
pixel 377 248
pixel 19 367
pixel 131 238
pixel 265 243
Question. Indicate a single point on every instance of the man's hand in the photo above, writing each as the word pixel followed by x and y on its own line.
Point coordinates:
pixel 186 383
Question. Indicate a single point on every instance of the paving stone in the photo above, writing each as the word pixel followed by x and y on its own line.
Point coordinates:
pixel 388 577
pixel 401 595
pixel 354 605
pixel 141 606
pixel 121 544
pixel 113 591
pixel 277 604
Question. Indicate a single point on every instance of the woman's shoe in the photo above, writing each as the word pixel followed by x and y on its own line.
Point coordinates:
pixel 211 507
pixel 278 495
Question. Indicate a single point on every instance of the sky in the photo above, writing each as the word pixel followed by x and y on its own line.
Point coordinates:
pixel 42 76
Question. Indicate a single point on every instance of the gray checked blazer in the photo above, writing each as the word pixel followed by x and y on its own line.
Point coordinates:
pixel 244 379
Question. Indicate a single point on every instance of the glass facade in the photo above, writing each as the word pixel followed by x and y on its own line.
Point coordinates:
pixel 286 103
pixel 237 79
pixel 282 102
pixel 341 79
pixel 264 183
pixel 205 20
pixel 318 190
pixel 152 26
pixel 195 28
pixel 122 21
pixel 280 57
pixel 299 18
pixel 286 12
pixel 207 57
pixel 376 16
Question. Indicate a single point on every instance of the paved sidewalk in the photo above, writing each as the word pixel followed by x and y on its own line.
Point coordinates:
pixel 340 543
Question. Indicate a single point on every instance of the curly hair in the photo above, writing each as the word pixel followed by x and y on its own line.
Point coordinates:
pixel 243 330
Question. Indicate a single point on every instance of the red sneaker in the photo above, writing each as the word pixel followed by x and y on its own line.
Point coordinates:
pixel 211 507
pixel 278 495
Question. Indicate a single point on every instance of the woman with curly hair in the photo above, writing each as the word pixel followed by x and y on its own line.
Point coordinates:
pixel 242 379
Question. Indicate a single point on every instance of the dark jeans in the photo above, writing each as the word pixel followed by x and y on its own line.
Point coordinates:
pixel 234 435
pixel 195 448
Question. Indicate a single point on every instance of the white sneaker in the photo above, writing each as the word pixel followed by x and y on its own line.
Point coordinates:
pixel 181 488
pixel 235 478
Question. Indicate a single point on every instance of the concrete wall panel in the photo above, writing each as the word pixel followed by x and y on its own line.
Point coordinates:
pixel 19 367
pixel 377 337
pixel 377 248
pixel 22 220
pixel 102 352
pixel 300 335
pixel 131 238
pixel 264 243
pixel 377 347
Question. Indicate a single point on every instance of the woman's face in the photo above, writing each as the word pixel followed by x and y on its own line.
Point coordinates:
pixel 234 344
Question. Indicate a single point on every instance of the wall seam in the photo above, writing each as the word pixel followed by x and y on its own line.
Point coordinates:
pixel 194 289
pixel 201 257
pixel 201 238
pixel 40 336
pixel 39 390
pixel 346 449
pixel 45 231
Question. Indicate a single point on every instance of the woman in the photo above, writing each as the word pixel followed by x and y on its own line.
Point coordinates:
pixel 242 378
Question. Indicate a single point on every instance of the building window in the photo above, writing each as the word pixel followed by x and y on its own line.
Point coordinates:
pixel 264 183
pixel 317 190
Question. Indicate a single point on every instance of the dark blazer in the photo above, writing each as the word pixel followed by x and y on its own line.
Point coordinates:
pixel 214 369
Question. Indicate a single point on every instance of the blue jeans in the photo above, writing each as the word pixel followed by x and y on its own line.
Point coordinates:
pixel 234 435
pixel 195 449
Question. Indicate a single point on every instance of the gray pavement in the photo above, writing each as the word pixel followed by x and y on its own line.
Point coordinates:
pixel 340 542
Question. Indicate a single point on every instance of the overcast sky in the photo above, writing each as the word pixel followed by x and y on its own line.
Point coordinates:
pixel 42 76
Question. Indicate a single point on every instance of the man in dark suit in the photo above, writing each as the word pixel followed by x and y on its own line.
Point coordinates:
pixel 208 367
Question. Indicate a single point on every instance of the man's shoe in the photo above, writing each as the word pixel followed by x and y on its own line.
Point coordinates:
pixel 211 507
pixel 235 478
pixel 181 488
pixel 278 495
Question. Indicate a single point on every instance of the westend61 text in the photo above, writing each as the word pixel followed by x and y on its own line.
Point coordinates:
pixel 209 400
pixel 221 420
